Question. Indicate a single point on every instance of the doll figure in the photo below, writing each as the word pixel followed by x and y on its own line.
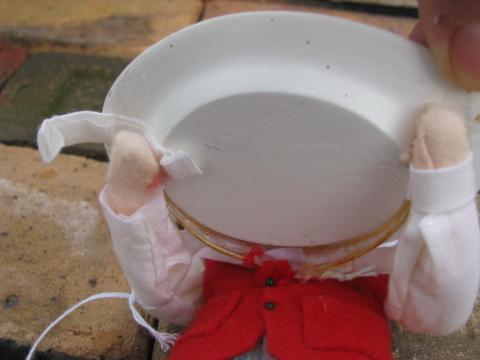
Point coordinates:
pixel 427 275
pixel 297 122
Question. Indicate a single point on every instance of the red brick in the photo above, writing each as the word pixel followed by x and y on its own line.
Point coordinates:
pixel 119 28
pixel 400 25
pixel 11 58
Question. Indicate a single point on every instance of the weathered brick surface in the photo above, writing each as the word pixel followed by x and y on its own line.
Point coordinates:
pixel 50 84
pixel 399 25
pixel 121 28
pixel 55 251
pixel 11 58
pixel 406 3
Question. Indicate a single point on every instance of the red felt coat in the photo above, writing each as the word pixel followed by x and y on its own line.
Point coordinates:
pixel 315 320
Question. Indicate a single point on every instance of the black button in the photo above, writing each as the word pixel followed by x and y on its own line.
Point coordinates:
pixel 269 305
pixel 270 282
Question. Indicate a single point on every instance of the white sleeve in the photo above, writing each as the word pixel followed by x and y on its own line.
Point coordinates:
pixel 158 263
pixel 435 277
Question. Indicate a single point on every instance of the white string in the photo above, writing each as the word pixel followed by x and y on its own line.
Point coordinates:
pixel 165 340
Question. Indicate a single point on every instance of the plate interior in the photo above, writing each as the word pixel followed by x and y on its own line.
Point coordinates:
pixel 286 169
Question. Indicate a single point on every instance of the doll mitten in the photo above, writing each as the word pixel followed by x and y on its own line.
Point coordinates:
pixel 133 175
pixel 441 139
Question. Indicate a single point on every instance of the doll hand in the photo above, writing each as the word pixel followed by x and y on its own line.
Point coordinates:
pixel 441 139
pixel 133 175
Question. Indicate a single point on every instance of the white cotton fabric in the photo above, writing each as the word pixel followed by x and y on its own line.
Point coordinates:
pixel 434 262
pixel 436 270
pixel 435 275
pixel 85 126
pixel 93 127
pixel 158 263
pixel 442 190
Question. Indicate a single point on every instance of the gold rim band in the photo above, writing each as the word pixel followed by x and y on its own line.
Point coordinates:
pixel 379 236
pixel 351 248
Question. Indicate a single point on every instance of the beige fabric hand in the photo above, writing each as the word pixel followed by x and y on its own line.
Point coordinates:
pixel 134 173
pixel 441 139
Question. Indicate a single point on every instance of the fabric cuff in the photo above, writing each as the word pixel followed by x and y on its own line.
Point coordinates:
pixel 444 189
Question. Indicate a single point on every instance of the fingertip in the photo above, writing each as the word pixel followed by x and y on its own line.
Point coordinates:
pixel 465 56
pixel 452 32
pixel 418 35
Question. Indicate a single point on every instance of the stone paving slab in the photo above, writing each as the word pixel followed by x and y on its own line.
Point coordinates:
pixel 157 353
pixel 56 251
pixel 120 28
pixel 400 25
pixel 461 345
pixel 50 84
pixel 11 58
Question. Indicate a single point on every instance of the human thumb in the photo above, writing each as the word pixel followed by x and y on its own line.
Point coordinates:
pixel 452 31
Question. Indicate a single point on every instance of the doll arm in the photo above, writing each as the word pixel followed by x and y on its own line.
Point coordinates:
pixel 436 270
pixel 159 265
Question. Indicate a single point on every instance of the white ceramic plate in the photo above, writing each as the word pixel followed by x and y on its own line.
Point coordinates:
pixel 297 120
